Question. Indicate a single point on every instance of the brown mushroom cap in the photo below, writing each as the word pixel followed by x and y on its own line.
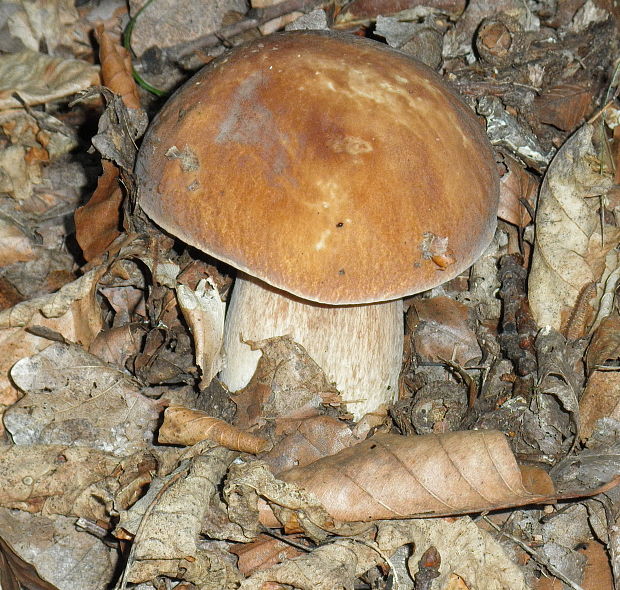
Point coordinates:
pixel 328 166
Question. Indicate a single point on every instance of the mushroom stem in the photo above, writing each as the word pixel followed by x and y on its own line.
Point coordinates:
pixel 359 347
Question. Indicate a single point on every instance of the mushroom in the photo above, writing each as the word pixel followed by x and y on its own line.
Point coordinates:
pixel 338 176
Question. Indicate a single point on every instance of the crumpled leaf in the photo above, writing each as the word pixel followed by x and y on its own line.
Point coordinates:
pixel 72 481
pixel 203 310
pixel 39 78
pixel 286 383
pixel 184 426
pixel 73 397
pixel 568 251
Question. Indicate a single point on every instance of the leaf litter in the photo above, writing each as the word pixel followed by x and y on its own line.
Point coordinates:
pixel 508 392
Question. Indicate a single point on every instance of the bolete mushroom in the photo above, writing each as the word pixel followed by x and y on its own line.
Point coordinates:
pixel 337 175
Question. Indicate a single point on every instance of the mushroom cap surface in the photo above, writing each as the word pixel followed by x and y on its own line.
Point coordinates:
pixel 328 166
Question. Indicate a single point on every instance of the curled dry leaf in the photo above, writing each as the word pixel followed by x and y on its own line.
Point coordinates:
pixel 167 540
pixel 39 78
pixel 569 250
pixel 441 330
pixel 203 310
pixel 72 481
pixel 390 476
pixel 116 69
pixel 262 553
pixel 184 426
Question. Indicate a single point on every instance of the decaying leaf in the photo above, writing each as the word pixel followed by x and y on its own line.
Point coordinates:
pixel 605 344
pixel 601 399
pixel 287 383
pixel 72 481
pixel 184 426
pixel 39 78
pixel 262 553
pixel 39 23
pixel 390 476
pixel 516 185
pixel 441 330
pixel 569 250
pixel 16 573
pixel 73 397
pixel 203 310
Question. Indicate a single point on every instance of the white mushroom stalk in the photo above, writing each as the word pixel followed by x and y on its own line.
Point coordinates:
pixel 359 347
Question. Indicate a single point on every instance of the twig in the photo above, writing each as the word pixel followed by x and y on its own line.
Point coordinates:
pixel 539 558
pixel 253 19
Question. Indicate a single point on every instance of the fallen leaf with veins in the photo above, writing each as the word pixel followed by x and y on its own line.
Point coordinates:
pixel 569 250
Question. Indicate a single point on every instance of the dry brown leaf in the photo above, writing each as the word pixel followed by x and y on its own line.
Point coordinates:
pixel 605 344
pixel 568 250
pixel 97 224
pixel 563 106
pixel 169 521
pixel 73 481
pixel 39 78
pixel 441 330
pixel 601 399
pixel 61 550
pixel 391 476
pixel 287 384
pixel 118 345
pixel 184 426
pixel 116 69
pixel 516 185
pixel 467 553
